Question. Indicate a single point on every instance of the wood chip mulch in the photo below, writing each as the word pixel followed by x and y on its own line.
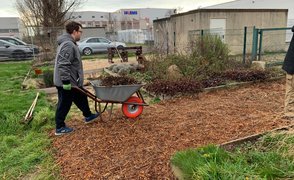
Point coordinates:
pixel 141 149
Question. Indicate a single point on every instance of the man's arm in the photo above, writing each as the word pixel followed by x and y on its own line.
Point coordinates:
pixel 65 57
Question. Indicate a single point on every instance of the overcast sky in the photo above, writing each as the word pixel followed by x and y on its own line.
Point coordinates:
pixel 7 8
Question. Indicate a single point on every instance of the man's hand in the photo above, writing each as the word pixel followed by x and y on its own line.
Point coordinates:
pixel 66 87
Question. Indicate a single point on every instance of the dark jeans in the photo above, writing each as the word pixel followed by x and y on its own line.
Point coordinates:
pixel 65 99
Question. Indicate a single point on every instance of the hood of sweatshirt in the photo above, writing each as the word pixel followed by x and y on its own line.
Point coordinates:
pixel 65 37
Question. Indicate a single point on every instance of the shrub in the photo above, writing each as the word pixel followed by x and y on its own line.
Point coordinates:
pixel 173 87
pixel 212 82
pixel 246 75
pixel 208 55
pixel 48 77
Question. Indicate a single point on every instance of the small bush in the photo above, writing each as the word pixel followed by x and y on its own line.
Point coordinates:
pixel 207 55
pixel 141 77
pixel 171 88
pixel 48 77
pixel 212 82
pixel 190 86
pixel 246 75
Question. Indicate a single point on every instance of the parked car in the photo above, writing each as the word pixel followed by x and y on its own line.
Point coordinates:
pixel 16 41
pixel 13 51
pixel 92 45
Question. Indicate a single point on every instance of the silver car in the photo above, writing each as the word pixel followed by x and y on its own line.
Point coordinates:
pixel 17 41
pixel 92 45
pixel 18 52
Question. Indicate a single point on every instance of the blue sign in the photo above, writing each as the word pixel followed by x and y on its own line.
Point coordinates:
pixel 130 12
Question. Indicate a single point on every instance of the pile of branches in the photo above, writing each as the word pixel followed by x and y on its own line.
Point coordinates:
pixel 117 80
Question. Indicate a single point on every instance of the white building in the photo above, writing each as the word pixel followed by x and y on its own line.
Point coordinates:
pixel 91 18
pixel 11 26
pixel 260 4
pixel 129 25
pixel 141 18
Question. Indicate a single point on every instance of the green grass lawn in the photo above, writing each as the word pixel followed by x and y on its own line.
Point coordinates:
pixel 24 149
pixel 272 157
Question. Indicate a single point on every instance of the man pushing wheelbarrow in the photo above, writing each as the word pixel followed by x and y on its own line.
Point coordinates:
pixel 69 79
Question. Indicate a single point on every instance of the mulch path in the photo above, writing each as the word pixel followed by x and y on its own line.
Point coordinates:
pixel 142 148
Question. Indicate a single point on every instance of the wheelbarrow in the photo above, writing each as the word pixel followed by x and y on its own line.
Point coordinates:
pixel 132 106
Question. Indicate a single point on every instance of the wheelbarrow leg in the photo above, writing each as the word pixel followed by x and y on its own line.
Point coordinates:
pixel 100 112
pixel 110 111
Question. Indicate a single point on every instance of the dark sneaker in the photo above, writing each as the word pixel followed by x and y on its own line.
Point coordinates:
pixel 91 118
pixel 63 130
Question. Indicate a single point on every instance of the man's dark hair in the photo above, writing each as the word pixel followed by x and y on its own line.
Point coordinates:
pixel 71 26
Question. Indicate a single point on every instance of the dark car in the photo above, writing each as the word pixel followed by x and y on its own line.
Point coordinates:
pixel 18 52
pixel 16 41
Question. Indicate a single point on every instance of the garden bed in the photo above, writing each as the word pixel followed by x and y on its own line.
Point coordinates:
pixel 141 148
pixel 264 155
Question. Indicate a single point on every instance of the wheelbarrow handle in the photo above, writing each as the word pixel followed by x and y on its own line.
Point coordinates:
pixel 86 92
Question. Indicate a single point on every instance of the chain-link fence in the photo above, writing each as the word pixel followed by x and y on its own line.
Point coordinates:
pixel 250 43
pixel 239 41
pixel 271 44
pixel 245 44
pixel 35 43
pixel 40 44
pixel 234 38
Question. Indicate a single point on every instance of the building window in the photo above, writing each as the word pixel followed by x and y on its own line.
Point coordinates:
pixel 104 23
pixel 129 25
pixel 9 30
pixel 93 16
pixel 123 25
pixel 97 24
pixel 101 16
pixel 136 24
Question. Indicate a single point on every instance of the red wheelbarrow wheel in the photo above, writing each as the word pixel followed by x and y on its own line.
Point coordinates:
pixel 132 110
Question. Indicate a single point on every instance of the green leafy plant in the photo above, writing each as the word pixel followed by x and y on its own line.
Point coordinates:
pixel 208 55
pixel 271 157
pixel 48 77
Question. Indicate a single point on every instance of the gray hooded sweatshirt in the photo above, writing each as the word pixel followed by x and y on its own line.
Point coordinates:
pixel 68 65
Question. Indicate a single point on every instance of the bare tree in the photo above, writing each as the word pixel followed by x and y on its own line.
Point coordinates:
pixel 45 18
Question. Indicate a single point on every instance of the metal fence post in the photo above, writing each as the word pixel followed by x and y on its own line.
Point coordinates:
pixel 254 44
pixel 167 44
pixel 244 45
pixel 260 44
